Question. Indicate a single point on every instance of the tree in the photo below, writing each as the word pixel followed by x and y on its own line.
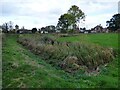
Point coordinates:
pixel 70 19
pixel 64 22
pixel 76 15
pixel 10 24
pixel 50 28
pixel 16 27
pixel 114 23
pixel 43 30
pixel 5 28
pixel 34 30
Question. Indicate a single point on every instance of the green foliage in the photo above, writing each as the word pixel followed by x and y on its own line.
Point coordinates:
pixel 64 21
pixel 99 39
pixel 50 28
pixel 34 30
pixel 76 13
pixel 70 19
pixel 114 22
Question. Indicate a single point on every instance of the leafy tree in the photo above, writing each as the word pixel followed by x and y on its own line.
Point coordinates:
pixel 71 18
pixel 34 30
pixel 16 27
pixel 43 29
pixel 50 28
pixel 64 22
pixel 5 28
pixel 39 30
pixel 114 22
pixel 76 15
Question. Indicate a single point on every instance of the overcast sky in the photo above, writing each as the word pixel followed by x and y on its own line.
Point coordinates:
pixel 40 13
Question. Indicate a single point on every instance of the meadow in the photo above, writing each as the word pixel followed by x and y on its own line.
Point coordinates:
pixel 29 66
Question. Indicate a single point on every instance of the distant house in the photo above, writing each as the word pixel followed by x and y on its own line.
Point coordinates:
pixel 99 29
pixel 24 31
pixel 43 32
pixel 88 31
pixel 105 30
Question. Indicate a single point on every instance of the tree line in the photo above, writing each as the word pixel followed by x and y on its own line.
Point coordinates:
pixel 67 23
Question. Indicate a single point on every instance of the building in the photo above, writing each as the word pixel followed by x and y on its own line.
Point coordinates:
pixel 105 30
pixel 23 31
pixel 99 29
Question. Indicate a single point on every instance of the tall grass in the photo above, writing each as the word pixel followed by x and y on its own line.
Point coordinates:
pixel 69 56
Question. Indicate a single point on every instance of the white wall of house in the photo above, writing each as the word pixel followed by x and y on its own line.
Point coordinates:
pixel 85 32
pixel 44 32
pixel 93 31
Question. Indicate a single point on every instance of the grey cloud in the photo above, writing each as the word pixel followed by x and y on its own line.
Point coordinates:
pixel 56 11
pixel 14 9
pixel 9 9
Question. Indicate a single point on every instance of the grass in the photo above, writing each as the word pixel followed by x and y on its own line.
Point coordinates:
pixel 103 39
pixel 21 68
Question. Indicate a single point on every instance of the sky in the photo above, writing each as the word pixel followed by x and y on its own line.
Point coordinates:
pixel 40 13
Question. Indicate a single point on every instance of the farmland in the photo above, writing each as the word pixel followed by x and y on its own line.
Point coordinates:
pixel 24 66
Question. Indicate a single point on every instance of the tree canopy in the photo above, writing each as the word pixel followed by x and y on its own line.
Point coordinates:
pixel 50 28
pixel 34 30
pixel 70 19
pixel 76 13
pixel 7 26
pixel 114 22
pixel 65 20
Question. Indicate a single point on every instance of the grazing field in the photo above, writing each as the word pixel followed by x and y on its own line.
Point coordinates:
pixel 24 67
pixel 106 40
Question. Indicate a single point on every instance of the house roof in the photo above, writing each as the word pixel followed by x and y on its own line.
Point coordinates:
pixel 24 30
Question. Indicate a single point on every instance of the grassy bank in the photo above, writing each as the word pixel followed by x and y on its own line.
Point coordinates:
pixel 21 68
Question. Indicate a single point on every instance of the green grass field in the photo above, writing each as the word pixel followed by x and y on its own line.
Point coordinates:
pixel 106 40
pixel 21 68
